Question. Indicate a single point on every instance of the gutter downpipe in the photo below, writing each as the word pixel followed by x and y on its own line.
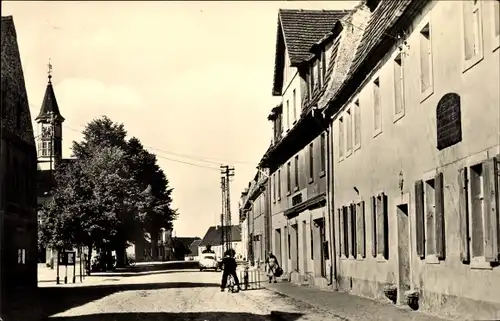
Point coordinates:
pixel 330 203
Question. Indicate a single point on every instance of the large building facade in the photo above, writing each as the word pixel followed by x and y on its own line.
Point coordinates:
pixel 415 158
pixel 18 218
pixel 408 112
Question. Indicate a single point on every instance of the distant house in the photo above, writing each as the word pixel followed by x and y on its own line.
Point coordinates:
pixel 213 237
pixel 193 250
pixel 182 246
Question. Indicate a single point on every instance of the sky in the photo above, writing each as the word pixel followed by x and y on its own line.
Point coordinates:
pixel 191 80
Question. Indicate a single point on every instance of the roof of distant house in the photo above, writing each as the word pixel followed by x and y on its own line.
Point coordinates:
pixel 193 248
pixel 214 235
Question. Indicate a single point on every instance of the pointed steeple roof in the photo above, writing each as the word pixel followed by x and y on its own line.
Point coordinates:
pixel 49 104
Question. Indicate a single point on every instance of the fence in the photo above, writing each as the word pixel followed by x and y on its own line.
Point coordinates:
pixel 250 280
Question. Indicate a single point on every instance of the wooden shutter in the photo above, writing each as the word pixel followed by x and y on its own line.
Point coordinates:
pixel 374 225
pixel 463 214
pixel 419 218
pixel 380 225
pixel 339 234
pixel 342 230
pixel 490 173
pixel 384 226
pixel 360 230
pixel 349 231
pixel 439 216
pixel 353 240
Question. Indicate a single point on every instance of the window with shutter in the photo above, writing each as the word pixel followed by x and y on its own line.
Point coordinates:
pixel 430 213
pixel 439 220
pixel 463 212
pixel 360 229
pixel 419 218
pixel 491 250
pixel 296 172
pixel 288 177
pixel 279 184
pixel 352 230
pixel 373 206
pixel 476 210
pixel 311 162
pixel 382 226
pixel 339 230
pixel 345 232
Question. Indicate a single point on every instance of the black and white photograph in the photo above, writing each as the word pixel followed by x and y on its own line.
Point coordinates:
pixel 250 160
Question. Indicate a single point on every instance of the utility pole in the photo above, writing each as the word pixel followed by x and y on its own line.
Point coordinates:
pixel 223 208
pixel 226 173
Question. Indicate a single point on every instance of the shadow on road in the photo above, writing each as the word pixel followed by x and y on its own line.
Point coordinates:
pixel 43 302
pixel 183 316
pixel 139 273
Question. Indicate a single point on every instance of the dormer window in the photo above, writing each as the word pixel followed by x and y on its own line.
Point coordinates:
pixel 372 4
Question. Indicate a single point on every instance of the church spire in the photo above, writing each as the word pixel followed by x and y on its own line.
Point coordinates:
pixel 49 104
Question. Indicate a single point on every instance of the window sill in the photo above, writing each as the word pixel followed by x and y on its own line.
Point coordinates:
pixel 468 64
pixel 296 188
pixel 279 198
pixel 398 116
pixel 322 174
pixel 380 258
pixel 360 258
pixel 349 153
pixel 496 43
pixel 431 259
pixel 426 93
pixel 311 180
pixel 479 263
pixel 356 147
pixel 341 158
pixel 377 132
pixel 288 193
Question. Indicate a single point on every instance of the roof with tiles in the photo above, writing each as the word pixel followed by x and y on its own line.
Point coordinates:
pixel 214 235
pixel 15 113
pixel 49 104
pixel 298 30
pixel 384 22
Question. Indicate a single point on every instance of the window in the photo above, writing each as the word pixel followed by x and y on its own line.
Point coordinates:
pixel 294 102
pixel 473 40
pixel 479 220
pixel 360 231
pixel 21 256
pixel 351 219
pixel 323 66
pixel 426 81
pixel 380 227
pixel 289 246
pixel 311 162
pixel 348 129
pixel 287 115
pixel 357 125
pixel 344 231
pixel 274 186
pixel 496 20
pixel 296 174
pixel 341 138
pixel 377 116
pixel 288 178
pixel 399 108
pixel 279 184
pixel 323 154
pixel 429 197
pixel 44 148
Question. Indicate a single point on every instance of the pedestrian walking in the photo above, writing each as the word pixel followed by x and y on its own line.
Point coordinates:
pixel 229 268
pixel 271 267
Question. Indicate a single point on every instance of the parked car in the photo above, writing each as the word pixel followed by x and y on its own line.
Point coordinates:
pixel 208 261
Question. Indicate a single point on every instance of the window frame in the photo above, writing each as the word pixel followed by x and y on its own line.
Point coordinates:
pixel 341 140
pixel 356 120
pixel 426 93
pixel 377 103
pixel 399 61
pixel 495 37
pixel 467 64
pixel 349 143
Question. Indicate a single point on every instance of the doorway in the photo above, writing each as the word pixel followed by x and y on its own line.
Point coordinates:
pixel 403 248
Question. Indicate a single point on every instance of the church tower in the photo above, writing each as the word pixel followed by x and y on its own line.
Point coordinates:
pixel 49 129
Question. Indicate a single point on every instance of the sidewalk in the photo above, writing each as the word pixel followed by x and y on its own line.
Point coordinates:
pixel 346 306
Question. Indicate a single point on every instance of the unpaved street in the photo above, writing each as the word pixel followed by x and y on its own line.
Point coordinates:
pixel 172 295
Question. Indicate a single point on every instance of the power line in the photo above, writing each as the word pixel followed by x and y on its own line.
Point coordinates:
pixel 214 161
pixel 163 157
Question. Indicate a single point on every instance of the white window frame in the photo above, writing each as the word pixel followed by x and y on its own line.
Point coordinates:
pixel 377 131
pixel 356 107
pixel 471 62
pixel 495 14
pixel 400 57
pixel 424 94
